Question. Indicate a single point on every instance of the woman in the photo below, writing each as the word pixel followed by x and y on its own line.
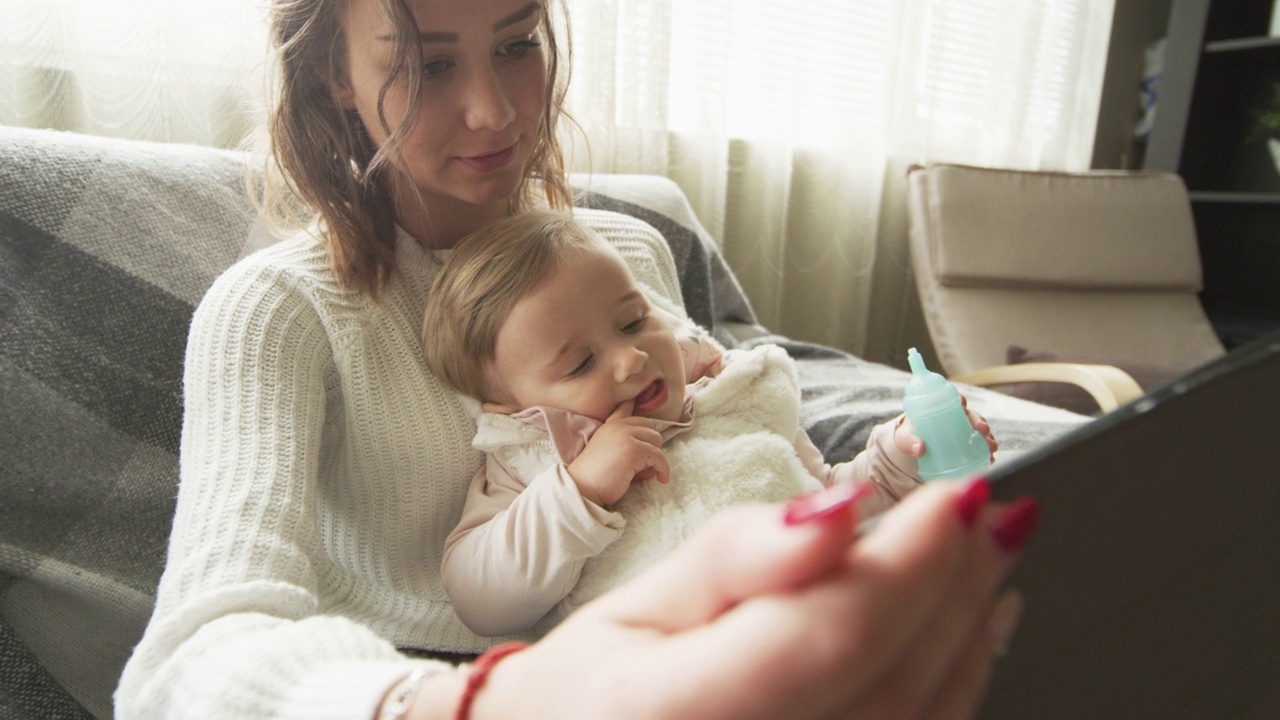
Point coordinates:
pixel 322 466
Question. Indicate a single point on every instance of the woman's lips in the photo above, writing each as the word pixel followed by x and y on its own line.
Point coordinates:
pixel 490 161
pixel 651 398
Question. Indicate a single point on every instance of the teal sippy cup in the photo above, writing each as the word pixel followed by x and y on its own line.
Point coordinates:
pixel 952 447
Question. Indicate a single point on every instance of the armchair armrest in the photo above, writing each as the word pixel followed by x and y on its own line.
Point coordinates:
pixel 1109 386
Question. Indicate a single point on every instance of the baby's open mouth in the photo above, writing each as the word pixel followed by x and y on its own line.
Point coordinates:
pixel 651 398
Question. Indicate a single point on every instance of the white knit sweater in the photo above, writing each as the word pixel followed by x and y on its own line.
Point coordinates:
pixel 322 467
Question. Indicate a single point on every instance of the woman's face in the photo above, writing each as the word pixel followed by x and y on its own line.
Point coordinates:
pixel 482 98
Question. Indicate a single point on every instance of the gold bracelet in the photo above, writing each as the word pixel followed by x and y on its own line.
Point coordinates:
pixel 400 703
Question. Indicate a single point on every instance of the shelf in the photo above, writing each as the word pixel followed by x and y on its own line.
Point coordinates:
pixel 1228 19
pixel 1242 45
pixel 1245 60
pixel 1220 66
pixel 1235 198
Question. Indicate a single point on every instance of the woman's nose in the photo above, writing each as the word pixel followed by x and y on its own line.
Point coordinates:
pixel 488 106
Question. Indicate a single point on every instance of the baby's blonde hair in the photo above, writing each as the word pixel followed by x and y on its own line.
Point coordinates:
pixel 484 277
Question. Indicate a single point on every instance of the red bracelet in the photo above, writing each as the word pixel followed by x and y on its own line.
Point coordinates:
pixel 479 673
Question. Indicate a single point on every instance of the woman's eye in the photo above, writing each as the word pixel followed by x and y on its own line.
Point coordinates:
pixel 519 48
pixel 434 68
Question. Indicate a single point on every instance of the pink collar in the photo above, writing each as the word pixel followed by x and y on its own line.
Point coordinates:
pixel 570 431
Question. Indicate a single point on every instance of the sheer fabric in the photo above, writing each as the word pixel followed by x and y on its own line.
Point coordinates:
pixel 146 69
pixel 788 126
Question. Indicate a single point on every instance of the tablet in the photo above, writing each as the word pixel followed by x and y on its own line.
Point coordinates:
pixel 1153 584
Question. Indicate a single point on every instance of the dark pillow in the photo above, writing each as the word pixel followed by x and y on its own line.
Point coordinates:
pixel 1071 397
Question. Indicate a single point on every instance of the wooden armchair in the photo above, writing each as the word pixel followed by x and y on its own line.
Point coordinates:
pixel 1096 274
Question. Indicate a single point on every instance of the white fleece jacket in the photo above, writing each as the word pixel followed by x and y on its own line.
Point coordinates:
pixel 530 549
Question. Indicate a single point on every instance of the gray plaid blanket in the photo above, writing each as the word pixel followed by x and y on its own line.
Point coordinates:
pixel 106 246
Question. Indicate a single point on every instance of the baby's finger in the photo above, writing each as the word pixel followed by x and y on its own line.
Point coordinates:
pixel 906 439
pixel 660 468
pixel 644 431
pixel 623 410
pixel 981 425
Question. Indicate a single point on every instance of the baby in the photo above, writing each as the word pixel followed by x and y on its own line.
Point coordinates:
pixel 612 427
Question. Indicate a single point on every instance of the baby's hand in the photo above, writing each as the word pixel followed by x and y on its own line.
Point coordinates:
pixel 910 443
pixel 626 448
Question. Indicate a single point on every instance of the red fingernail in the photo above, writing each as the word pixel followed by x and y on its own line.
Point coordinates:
pixel 1013 527
pixel 970 502
pixel 826 504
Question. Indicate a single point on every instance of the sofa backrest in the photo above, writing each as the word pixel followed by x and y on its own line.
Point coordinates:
pixel 105 248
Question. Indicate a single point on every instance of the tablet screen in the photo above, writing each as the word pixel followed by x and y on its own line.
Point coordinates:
pixel 1152 587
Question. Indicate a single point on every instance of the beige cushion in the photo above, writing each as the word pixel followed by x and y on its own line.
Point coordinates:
pixel 1100 263
pixel 1058 234
pixel 974 326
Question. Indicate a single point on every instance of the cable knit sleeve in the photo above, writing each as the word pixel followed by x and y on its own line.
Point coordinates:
pixel 238 631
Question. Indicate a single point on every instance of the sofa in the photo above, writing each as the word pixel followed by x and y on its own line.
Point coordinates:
pixel 106 247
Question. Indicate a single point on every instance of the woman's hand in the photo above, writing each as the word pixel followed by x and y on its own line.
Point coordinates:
pixel 772 613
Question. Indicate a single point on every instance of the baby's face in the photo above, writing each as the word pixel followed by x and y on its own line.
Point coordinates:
pixel 585 341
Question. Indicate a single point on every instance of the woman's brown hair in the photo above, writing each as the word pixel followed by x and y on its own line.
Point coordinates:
pixel 321 156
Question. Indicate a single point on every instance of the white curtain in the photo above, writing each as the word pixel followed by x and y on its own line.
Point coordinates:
pixel 791 126
pixel 163 70
pixel 788 126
